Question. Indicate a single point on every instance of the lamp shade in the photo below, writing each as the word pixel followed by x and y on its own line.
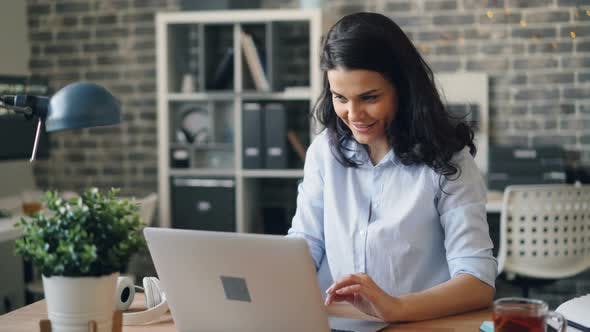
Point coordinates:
pixel 81 105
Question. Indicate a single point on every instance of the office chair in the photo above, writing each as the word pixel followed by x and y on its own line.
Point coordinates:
pixel 147 208
pixel 140 264
pixel 544 233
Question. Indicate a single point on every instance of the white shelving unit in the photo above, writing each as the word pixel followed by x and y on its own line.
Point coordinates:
pixel 186 39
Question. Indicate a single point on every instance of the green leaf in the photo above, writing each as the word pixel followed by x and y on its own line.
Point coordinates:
pixel 92 235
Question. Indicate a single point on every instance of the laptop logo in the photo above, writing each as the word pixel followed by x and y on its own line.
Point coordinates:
pixel 235 289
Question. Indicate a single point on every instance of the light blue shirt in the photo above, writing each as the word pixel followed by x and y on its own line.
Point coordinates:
pixel 393 222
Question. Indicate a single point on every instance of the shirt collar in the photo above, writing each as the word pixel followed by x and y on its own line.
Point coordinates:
pixel 357 152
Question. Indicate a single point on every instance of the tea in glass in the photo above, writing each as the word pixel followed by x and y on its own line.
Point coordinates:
pixel 515 314
pixel 31 202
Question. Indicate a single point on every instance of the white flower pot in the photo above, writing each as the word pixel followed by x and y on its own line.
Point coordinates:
pixel 72 302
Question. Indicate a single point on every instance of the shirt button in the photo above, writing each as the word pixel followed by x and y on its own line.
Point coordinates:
pixel 362 233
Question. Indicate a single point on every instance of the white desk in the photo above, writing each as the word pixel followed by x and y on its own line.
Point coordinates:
pixel 12 287
pixel 494 204
pixel 7 229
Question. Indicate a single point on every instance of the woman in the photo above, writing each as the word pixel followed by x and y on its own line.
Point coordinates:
pixel 391 195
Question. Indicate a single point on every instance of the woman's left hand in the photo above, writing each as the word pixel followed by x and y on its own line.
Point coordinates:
pixel 362 292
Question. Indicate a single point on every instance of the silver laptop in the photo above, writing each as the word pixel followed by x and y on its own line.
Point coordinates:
pixel 218 281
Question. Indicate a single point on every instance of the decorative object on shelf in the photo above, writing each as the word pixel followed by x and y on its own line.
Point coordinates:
pixel 296 144
pixel 195 124
pixel 77 105
pixel 179 158
pixel 224 71
pixel 254 62
pixel 188 83
pixel 79 248
pixel 227 135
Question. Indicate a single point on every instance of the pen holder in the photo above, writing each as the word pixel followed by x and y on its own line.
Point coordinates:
pixel 45 324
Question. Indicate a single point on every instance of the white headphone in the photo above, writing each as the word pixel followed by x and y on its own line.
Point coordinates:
pixel 155 300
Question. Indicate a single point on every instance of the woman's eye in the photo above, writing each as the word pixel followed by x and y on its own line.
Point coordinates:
pixel 340 98
pixel 370 97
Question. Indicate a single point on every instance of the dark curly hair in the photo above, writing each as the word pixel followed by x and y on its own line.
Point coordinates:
pixel 423 132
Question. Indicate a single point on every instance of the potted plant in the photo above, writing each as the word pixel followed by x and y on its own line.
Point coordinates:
pixel 80 247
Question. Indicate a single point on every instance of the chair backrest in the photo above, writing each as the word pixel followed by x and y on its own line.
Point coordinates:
pixel 147 208
pixel 11 205
pixel 545 230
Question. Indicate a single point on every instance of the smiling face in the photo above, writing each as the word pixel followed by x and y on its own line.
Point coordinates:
pixel 367 103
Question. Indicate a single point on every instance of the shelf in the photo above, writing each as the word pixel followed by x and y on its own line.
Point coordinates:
pixel 251 173
pixel 203 65
pixel 273 173
pixel 202 96
pixel 299 94
pixel 208 146
pixel 201 172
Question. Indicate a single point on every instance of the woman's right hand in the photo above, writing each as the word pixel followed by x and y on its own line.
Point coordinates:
pixel 362 292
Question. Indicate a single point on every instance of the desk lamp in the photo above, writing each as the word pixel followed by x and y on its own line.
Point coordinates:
pixel 77 105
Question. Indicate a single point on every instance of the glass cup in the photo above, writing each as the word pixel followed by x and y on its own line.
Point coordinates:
pixel 521 314
pixel 31 202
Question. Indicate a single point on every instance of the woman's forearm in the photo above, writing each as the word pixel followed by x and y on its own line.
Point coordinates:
pixel 462 293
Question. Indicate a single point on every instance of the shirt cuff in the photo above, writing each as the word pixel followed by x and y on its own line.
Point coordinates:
pixel 483 268
pixel 316 247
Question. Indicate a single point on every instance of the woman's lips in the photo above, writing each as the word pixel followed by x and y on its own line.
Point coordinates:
pixel 362 127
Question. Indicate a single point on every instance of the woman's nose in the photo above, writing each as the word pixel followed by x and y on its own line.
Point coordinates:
pixel 354 111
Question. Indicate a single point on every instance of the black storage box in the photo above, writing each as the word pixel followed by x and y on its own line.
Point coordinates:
pixel 510 165
pixel 203 204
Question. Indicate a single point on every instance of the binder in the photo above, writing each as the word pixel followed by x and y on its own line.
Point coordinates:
pixel 252 136
pixel 275 136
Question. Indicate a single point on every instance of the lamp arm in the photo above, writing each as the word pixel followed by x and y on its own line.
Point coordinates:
pixel 26 111
pixel 27 105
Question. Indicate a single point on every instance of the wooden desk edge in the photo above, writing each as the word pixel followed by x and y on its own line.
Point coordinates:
pixel 27 319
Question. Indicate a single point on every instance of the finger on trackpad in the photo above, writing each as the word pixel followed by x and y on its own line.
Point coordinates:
pixel 338 324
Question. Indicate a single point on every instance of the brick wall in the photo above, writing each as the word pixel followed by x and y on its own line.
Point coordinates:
pixel 540 78
pixel 539 73
pixel 112 43
pixel 539 70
